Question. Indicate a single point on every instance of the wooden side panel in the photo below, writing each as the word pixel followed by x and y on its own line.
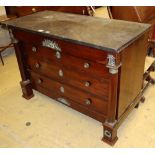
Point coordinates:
pixel 131 76
pixel 70 9
pixel 73 58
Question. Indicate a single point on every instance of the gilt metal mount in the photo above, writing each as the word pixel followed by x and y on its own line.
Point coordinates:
pixel 113 67
pixel 51 44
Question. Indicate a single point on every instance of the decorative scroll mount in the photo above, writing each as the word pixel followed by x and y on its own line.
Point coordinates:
pixel 113 68
pixel 51 44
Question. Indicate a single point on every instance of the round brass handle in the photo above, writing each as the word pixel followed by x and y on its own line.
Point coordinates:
pixel 37 65
pixel 39 81
pixel 62 89
pixel 88 101
pixel 61 73
pixel 58 55
pixel 87 83
pixel 34 10
pixel 34 49
pixel 86 65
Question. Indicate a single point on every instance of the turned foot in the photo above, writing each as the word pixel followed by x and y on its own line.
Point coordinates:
pixel 141 100
pixel 137 105
pixel 109 134
pixel 152 81
pixel 154 52
pixel 26 89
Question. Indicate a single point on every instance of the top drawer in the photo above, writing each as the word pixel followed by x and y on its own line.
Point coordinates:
pixel 76 50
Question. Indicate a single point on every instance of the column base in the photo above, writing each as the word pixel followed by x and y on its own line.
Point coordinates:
pixel 109 133
pixel 26 89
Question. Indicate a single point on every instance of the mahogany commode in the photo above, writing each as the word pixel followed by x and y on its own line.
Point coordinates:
pixel 93 65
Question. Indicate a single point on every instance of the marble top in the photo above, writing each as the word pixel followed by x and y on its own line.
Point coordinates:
pixel 105 34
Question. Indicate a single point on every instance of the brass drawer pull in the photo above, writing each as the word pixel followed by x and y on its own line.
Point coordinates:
pixel 58 55
pixel 37 65
pixel 34 10
pixel 39 81
pixel 88 101
pixel 62 89
pixel 87 83
pixel 61 73
pixel 86 65
pixel 34 49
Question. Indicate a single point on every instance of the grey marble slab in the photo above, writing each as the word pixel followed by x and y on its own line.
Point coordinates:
pixel 100 33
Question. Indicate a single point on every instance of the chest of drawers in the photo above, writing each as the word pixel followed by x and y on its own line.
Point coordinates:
pixel 92 65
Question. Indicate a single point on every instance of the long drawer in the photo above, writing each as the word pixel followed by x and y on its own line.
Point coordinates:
pixel 26 10
pixel 73 104
pixel 77 77
pixel 86 99
pixel 66 60
pixel 76 50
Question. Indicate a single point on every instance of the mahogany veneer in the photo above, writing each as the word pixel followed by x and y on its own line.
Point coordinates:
pixel 20 11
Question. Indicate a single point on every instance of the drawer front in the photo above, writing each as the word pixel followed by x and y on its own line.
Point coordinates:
pixel 88 100
pixel 76 50
pixel 66 60
pixel 76 76
pixel 73 104
pixel 26 10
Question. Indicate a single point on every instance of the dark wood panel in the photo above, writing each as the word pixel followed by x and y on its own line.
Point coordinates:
pixel 26 10
pixel 70 9
pixel 76 50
